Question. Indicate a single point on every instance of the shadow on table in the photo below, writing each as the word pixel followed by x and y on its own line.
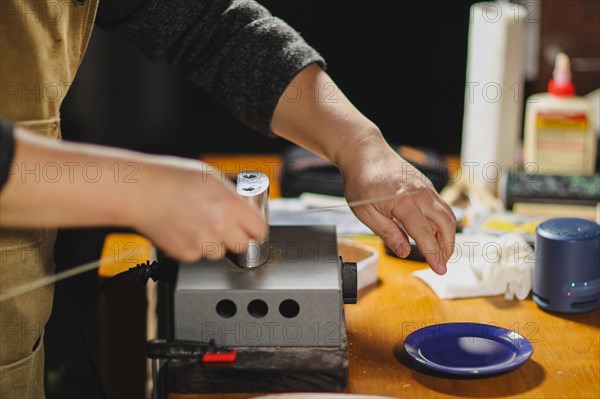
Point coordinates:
pixel 590 318
pixel 521 380
pixel 500 303
pixel 364 292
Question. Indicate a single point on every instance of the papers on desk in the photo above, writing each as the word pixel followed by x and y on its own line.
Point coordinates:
pixel 308 210
pixel 485 265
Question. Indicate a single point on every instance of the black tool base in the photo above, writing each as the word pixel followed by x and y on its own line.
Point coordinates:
pixel 260 369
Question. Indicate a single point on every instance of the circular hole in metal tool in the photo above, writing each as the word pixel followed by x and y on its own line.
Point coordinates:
pixel 250 176
pixel 289 308
pixel 258 308
pixel 248 188
pixel 226 308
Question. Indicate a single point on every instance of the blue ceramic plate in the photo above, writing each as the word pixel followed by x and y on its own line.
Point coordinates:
pixel 468 348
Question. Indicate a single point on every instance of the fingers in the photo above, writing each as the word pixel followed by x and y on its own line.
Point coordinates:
pixel 236 225
pixel 212 250
pixel 249 224
pixel 208 231
pixel 392 234
pixel 422 231
pixel 432 224
pixel 212 246
pixel 446 230
pixel 252 222
pixel 237 241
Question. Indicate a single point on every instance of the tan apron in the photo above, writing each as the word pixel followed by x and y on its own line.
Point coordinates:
pixel 42 43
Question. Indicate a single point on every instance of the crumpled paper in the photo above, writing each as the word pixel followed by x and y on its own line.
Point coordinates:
pixel 485 265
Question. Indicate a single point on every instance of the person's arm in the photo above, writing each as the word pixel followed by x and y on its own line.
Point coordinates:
pixel 331 126
pixel 185 207
pixel 246 58
pixel 235 50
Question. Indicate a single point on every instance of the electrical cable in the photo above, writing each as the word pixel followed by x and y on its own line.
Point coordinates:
pixel 353 204
pixel 141 272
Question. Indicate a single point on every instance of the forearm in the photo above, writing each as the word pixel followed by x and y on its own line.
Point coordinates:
pixel 66 184
pixel 186 208
pixel 315 114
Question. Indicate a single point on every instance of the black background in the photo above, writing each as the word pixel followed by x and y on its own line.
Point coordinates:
pixel 402 63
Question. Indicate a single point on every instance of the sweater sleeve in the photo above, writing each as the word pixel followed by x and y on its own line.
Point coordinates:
pixel 7 150
pixel 234 49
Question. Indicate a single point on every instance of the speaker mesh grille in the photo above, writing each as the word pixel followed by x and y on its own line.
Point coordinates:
pixel 577 229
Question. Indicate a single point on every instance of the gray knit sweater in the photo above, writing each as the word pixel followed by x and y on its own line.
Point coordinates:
pixel 233 49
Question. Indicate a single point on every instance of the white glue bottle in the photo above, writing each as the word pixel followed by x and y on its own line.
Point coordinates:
pixel 559 136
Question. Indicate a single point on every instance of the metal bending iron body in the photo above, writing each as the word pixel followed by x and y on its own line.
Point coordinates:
pixel 254 187
pixel 287 290
pixel 278 305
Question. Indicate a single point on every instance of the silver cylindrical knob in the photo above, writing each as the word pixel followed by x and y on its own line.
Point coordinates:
pixel 254 187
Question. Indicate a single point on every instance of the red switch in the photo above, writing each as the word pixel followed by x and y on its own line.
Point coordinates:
pixel 224 357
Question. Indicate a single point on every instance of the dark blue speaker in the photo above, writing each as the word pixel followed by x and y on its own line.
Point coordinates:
pixel 567 265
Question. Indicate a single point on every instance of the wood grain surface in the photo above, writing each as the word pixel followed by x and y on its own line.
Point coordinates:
pixel 565 361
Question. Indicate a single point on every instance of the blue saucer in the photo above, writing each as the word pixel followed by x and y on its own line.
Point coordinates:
pixel 468 348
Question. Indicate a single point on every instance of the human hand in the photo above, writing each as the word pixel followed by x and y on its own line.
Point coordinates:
pixel 190 211
pixel 410 199
pixel 333 128
pixel 185 207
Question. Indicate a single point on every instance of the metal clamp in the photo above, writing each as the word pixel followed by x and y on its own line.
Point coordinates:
pixel 254 187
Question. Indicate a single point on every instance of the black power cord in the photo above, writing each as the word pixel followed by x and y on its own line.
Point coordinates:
pixel 142 272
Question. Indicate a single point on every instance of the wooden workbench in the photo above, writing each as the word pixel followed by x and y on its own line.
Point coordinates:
pixel 565 361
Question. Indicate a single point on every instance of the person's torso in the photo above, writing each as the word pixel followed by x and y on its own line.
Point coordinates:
pixel 42 43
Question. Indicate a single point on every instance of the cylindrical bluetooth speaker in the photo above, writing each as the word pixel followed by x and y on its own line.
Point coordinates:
pixel 567 265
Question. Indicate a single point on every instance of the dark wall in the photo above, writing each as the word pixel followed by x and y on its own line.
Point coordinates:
pixel 401 62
